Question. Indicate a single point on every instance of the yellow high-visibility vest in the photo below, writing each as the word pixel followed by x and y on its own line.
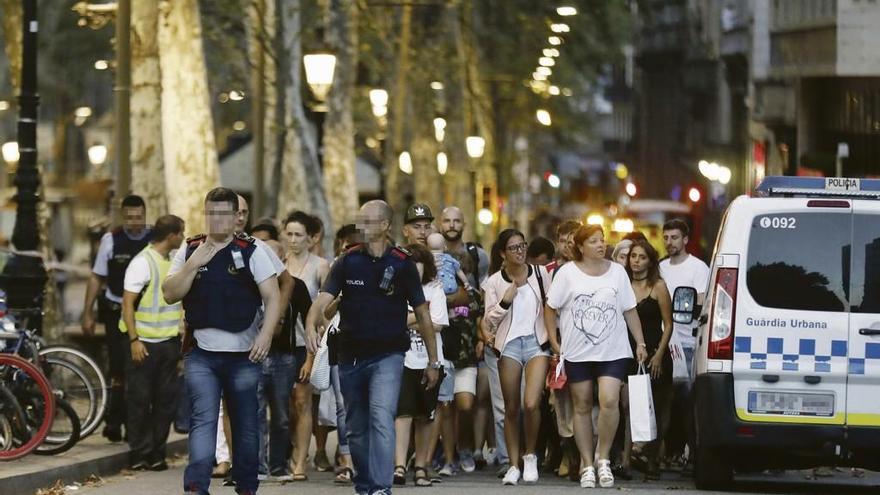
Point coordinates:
pixel 155 319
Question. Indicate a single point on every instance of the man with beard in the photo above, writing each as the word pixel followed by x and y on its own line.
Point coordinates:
pixel 464 315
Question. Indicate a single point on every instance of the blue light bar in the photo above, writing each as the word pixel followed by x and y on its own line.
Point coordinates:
pixel 839 187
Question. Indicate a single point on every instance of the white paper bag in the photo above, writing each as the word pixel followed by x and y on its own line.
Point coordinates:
pixel 643 422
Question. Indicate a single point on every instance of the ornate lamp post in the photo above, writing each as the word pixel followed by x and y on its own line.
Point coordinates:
pixel 24 277
pixel 320 69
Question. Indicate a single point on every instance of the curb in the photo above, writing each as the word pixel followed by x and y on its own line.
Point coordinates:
pixel 113 463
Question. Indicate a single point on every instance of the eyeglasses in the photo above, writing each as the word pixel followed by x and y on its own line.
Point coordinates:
pixel 518 247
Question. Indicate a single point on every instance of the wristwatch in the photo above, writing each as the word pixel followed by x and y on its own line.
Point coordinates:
pixel 435 365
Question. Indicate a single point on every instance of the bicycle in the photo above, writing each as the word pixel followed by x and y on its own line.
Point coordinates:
pixel 75 376
pixel 27 404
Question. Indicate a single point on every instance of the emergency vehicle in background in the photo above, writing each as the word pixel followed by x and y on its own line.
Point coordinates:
pixel 787 367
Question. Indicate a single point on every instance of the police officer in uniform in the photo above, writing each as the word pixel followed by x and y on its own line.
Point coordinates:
pixel 153 327
pixel 115 252
pixel 231 304
pixel 376 281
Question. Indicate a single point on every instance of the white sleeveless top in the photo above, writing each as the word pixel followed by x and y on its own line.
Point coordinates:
pixel 309 276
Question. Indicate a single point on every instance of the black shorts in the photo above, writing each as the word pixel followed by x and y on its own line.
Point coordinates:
pixel 591 370
pixel 415 401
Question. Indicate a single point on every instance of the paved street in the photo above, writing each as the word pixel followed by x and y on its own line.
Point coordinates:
pixel 321 483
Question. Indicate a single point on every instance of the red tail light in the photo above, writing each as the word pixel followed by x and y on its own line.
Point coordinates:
pixel 723 315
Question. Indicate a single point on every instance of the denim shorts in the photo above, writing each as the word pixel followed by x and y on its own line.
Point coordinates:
pixel 447 386
pixel 523 349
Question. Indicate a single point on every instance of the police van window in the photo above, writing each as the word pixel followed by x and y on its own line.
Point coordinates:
pixel 866 264
pixel 800 260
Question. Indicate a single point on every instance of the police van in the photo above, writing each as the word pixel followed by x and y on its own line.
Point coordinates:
pixel 787 367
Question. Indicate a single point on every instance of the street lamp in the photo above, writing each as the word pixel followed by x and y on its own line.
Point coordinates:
pixel 546 61
pixel 405 163
pixel 543 117
pixel 485 216
pixel 379 102
pixel 566 11
pixel 10 153
pixel 320 68
pixel 476 146
pixel 442 163
pixel 97 154
pixel 439 129
pixel 24 277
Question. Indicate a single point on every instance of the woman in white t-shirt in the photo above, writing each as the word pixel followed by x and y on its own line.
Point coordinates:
pixel 515 295
pixel 595 303
pixel 416 404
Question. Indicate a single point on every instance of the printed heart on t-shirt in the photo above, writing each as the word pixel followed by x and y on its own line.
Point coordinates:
pixel 595 314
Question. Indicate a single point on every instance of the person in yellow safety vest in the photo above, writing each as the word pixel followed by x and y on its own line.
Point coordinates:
pixel 153 327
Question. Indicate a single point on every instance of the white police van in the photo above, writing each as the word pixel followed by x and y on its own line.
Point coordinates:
pixel 787 368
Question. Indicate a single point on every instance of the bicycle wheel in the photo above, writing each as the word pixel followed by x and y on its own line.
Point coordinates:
pixel 64 432
pixel 33 393
pixel 95 378
pixel 70 383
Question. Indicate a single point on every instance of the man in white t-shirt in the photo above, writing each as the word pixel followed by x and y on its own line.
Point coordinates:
pixel 231 302
pixel 153 328
pixel 681 269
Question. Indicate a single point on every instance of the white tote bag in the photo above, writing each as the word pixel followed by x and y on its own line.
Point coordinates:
pixel 320 378
pixel 643 422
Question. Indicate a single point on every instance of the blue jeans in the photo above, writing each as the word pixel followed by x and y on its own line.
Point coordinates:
pixel 207 374
pixel 274 389
pixel 371 388
pixel 341 430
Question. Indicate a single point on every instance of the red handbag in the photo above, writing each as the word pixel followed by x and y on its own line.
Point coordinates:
pixel 556 378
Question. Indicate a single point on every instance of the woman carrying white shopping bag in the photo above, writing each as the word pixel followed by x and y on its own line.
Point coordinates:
pixel 596 304
pixel 655 314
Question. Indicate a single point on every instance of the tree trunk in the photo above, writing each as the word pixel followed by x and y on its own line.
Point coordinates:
pixel 426 179
pixel 10 11
pixel 459 177
pixel 397 184
pixel 302 186
pixel 191 166
pixel 148 171
pixel 339 153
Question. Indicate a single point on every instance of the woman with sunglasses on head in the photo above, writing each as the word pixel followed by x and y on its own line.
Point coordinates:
pixel 596 304
pixel 515 294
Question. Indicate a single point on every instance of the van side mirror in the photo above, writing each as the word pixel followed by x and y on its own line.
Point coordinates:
pixel 684 305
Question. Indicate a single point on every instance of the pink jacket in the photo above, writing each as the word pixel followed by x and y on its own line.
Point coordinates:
pixel 497 314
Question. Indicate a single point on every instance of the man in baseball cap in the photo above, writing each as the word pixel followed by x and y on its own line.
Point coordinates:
pixel 417 223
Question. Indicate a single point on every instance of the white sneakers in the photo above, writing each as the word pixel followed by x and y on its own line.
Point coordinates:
pixel 530 468
pixel 512 476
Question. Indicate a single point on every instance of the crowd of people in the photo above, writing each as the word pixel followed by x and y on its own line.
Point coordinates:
pixel 443 358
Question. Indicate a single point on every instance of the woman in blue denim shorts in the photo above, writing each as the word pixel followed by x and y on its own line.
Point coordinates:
pixel 515 294
pixel 596 304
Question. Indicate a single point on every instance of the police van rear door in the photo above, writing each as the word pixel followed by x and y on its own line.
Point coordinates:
pixel 863 406
pixel 792 324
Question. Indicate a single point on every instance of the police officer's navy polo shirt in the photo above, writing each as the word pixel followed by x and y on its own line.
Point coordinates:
pixel 373 319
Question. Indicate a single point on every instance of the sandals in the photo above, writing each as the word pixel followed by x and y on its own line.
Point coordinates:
pixel 588 477
pixel 300 477
pixel 400 475
pixel 343 476
pixel 421 480
pixel 606 476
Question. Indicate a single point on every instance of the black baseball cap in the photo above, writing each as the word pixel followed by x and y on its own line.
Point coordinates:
pixel 418 211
